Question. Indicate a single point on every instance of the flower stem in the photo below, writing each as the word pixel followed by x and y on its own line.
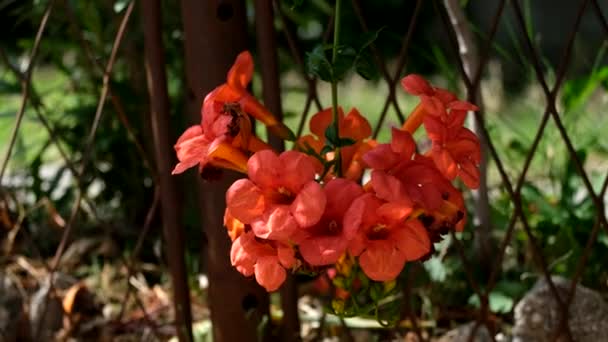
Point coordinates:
pixel 334 86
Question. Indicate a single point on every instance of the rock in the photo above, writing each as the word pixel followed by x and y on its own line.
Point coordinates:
pixel 11 309
pixel 537 314
pixel 462 333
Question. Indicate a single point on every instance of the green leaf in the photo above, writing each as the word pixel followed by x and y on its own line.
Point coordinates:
pixel 326 149
pixel 375 291
pixel 368 38
pixel 343 142
pixel 345 59
pixel 365 67
pixel 318 64
pixel 331 134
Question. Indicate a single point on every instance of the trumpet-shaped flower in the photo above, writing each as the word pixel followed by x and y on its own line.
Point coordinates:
pixel 352 125
pixel 266 260
pixel 387 238
pixel 327 240
pixel 280 197
pixel 224 136
pixel 397 168
pixel 456 151
pixel 433 101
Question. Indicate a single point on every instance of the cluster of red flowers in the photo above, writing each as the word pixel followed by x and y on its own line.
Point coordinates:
pixel 295 212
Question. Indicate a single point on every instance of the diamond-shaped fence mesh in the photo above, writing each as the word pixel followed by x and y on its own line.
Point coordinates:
pixel 470 50
pixel 472 57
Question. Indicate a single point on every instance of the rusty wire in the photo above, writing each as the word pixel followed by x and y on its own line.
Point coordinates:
pixel 472 84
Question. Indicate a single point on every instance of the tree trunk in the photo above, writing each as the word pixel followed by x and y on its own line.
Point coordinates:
pixel 215 32
pixel 159 112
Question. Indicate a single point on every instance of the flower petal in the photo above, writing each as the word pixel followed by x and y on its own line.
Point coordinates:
pixel 234 227
pixel 444 95
pixel 355 126
pixel 276 224
pixel 412 240
pixel 381 157
pixel 309 205
pixel 298 170
pixel 323 250
pixel 286 255
pixel 469 173
pixel 264 168
pixel 241 71
pixel 402 142
pixel 233 157
pixel 340 195
pixel 243 261
pixel 416 85
pixel 245 201
pixel 445 163
pixel 394 213
pixel 191 149
pixel 389 188
pixel 381 261
pixel 320 121
pixel 269 273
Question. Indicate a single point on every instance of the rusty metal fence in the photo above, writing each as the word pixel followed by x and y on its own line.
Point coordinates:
pixel 471 61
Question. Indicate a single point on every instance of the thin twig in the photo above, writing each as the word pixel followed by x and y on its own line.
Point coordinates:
pixel 26 86
pixel 53 138
pixel 138 245
pixel 87 153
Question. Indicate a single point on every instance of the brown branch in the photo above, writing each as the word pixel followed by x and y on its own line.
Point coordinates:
pixel 95 65
pixel 25 84
pixel 91 138
pixel 53 138
pixel 160 120
pixel 138 245
pixel 87 154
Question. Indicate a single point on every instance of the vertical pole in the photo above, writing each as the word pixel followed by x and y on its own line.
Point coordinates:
pixel 267 51
pixel 159 112
pixel 214 33
pixel 467 49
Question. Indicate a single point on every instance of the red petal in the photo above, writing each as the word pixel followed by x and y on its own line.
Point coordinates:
pixel 309 205
pixel 413 240
pixel 340 195
pixel 269 273
pixel 324 250
pixel 245 201
pixel 402 142
pixel 381 261
pixel 297 170
pixel 241 72
pixel 264 168
pixel 388 187
pixel 355 126
pixel 416 85
pixel 276 224
pixel 320 121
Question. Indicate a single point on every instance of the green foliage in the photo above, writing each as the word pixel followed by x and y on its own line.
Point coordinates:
pixel 348 57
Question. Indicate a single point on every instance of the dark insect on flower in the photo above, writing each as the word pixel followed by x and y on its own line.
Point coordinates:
pixel 240 123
